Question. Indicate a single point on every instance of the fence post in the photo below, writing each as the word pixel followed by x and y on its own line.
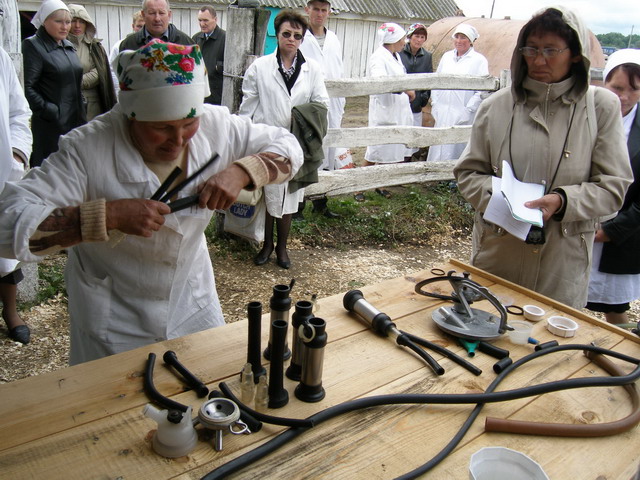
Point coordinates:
pixel 244 26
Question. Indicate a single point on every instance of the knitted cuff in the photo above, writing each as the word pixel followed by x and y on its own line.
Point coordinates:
pixel 255 168
pixel 93 221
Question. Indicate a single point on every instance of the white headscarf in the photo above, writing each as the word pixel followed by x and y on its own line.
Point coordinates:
pixel 46 9
pixel 390 33
pixel 620 57
pixel 468 31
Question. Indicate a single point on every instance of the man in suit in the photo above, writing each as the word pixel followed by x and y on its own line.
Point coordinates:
pixel 157 18
pixel 211 39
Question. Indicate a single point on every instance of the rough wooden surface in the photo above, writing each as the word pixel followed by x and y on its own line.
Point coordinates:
pixel 86 421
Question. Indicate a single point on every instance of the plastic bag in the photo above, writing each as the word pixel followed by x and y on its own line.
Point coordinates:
pixel 246 221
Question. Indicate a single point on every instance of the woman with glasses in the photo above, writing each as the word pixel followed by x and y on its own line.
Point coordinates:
pixel 457 107
pixel 272 86
pixel 555 131
pixel 615 273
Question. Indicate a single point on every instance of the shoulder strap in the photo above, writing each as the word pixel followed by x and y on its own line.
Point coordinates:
pixel 592 119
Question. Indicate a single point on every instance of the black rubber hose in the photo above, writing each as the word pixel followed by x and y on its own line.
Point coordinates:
pixel 454 357
pixel 153 394
pixel 493 350
pixel 406 342
pixel 197 385
pixel 488 397
pixel 284 422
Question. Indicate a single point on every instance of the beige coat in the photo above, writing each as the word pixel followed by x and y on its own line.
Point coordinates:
pixel 528 126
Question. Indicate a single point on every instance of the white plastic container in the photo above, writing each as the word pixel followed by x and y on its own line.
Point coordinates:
pixel 499 463
pixel 533 313
pixel 562 326
pixel 520 333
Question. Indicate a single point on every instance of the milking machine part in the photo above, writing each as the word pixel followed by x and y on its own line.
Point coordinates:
pixel 253 423
pixel 171 359
pixel 480 399
pixel 175 409
pixel 171 439
pixel 381 323
pixel 461 320
pixel 221 414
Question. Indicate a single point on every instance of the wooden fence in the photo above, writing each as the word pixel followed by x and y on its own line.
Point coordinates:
pixel 342 182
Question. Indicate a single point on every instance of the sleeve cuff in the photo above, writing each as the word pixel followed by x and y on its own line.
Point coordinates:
pixel 563 204
pixel 255 168
pixel 93 221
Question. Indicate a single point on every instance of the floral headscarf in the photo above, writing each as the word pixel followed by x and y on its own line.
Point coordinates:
pixel 162 81
pixel 390 33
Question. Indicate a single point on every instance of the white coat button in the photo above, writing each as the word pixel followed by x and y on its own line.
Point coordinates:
pixel 564 230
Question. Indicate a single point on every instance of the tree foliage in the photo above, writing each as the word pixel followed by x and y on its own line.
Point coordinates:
pixel 618 40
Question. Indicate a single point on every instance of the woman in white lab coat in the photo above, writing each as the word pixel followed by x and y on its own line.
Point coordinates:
pixel 272 86
pixel 457 107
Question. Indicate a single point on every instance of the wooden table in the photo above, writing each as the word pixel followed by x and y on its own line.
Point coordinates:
pixel 86 422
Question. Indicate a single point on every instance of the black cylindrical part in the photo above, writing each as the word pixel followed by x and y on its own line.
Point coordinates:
pixel 254 316
pixel 501 364
pixel 197 385
pixel 542 346
pixel 278 396
pixel 494 351
pixel 301 316
pixel 310 387
pixel 279 304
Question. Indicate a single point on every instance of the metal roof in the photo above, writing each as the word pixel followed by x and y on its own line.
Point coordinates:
pixel 396 9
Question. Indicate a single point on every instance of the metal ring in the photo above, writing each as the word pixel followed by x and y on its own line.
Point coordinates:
pixel 515 310
pixel 437 271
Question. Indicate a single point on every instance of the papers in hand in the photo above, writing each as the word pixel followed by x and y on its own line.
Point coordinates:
pixel 506 206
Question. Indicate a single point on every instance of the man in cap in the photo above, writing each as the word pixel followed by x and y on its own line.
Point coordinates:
pixel 136 272
pixel 157 17
pixel 211 39
pixel 323 46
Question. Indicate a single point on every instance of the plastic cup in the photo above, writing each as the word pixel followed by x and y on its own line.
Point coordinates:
pixel 520 333
pixel 499 463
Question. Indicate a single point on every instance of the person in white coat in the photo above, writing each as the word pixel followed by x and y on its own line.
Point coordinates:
pixel 15 148
pixel 272 86
pixel 323 46
pixel 388 109
pixel 457 107
pixel 139 272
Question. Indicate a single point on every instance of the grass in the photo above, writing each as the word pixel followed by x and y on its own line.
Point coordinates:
pixel 413 215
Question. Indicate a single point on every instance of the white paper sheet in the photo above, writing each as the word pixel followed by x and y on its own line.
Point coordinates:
pixel 517 193
pixel 498 213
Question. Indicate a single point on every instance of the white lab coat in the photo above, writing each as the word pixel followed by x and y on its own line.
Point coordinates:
pixel 267 100
pixel 330 57
pixel 456 107
pixel 14 133
pixel 388 108
pixel 140 290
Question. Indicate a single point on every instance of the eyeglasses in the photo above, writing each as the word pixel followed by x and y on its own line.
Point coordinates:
pixel 297 36
pixel 545 52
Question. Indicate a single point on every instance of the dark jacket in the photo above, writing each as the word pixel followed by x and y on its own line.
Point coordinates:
pixel 420 63
pixel 52 84
pixel 213 53
pixel 105 85
pixel 622 254
pixel 309 123
pixel 138 39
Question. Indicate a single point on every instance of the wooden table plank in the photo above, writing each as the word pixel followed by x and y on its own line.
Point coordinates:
pixel 95 422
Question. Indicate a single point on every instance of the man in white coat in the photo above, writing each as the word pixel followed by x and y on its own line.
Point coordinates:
pixel 323 46
pixel 15 149
pixel 139 269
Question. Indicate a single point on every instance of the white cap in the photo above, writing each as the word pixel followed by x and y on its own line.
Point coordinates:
pixel 46 9
pixel 619 57
pixel 467 30
pixel 390 33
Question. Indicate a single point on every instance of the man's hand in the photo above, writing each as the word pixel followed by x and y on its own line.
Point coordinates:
pixel 601 236
pixel 412 94
pixel 222 189
pixel 549 204
pixel 136 216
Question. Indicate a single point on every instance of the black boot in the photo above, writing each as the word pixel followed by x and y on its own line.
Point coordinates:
pixel 320 206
